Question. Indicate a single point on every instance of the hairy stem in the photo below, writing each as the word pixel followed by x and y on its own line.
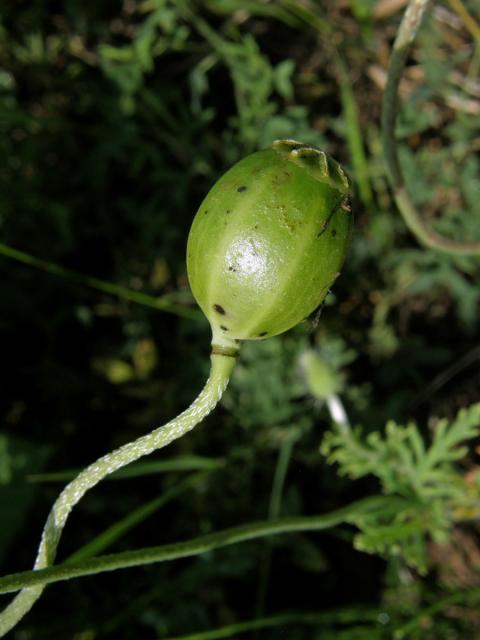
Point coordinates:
pixel 221 369
pixel 116 531
pixel 202 544
pixel 406 35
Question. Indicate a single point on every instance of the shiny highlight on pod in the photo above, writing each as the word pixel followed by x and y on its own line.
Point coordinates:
pixel 268 241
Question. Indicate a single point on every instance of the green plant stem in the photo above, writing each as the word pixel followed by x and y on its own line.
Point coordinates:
pixel 110 535
pixel 221 369
pixel 465 598
pixel 139 469
pixel 281 469
pixel 406 35
pixel 300 618
pixel 353 132
pixel 468 20
pixel 96 283
pixel 42 577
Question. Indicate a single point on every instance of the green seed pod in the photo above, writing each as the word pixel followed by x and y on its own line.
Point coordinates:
pixel 268 241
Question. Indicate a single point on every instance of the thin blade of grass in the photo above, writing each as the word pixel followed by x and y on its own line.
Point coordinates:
pixel 136 470
pixel 112 534
pixel 354 134
pixel 111 288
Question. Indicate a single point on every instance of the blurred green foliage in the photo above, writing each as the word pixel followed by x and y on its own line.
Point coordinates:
pixel 426 476
pixel 115 119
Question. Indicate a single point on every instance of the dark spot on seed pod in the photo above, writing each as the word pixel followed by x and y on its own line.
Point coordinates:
pixel 223 327
pixel 242 189
pixel 334 232
pixel 332 212
pixel 219 309
pixel 263 334
pixel 228 211
pixel 296 145
pixel 230 268
pixel 322 229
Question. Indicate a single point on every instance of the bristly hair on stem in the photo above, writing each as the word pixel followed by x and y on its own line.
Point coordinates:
pixel 189 548
pixel 205 402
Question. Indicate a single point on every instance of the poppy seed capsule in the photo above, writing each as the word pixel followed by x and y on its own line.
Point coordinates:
pixel 268 241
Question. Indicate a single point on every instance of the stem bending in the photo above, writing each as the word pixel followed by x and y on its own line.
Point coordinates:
pixel 208 398
pixel 406 35
pixel 197 546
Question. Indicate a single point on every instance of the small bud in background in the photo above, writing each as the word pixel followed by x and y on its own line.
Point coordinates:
pixel 324 383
